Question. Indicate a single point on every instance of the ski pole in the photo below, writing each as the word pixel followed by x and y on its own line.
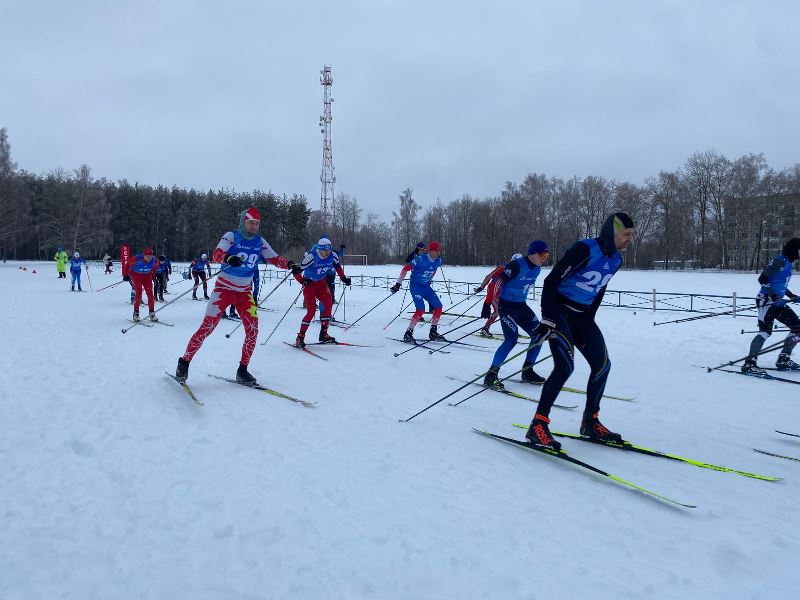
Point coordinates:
pixel 398 314
pixel 369 311
pixel 338 304
pixel 239 324
pixel 457 339
pixel 429 351
pixel 764 351
pixel 284 316
pixel 446 285
pixel 503 379
pixel 443 398
pixel 778 330
pixel 110 286
pixel 466 311
pixel 698 317
pixel 89 277
pixel 127 329
pixel 459 302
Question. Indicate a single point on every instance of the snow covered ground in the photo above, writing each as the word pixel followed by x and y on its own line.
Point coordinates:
pixel 113 484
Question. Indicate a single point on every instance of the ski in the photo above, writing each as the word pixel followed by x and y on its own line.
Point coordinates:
pixel 418 343
pixel 338 343
pixel 512 393
pixel 777 455
pixel 266 390
pixel 649 452
pixel 306 350
pixel 186 389
pixel 562 455
pixel 789 434
pixel 766 376
pixel 159 322
pixel 140 323
pixel 776 369
pixel 577 391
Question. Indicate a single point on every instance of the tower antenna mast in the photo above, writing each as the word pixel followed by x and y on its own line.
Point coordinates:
pixel 327 177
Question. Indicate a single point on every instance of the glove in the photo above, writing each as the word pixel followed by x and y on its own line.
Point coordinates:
pixel 347 280
pixel 543 332
pixel 126 278
pixel 795 299
pixel 394 288
pixel 233 260
pixel 295 268
pixel 477 290
pixel 305 281
pixel 486 311
pixel 342 245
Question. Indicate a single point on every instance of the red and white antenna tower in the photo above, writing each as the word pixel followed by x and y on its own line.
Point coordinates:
pixel 327 176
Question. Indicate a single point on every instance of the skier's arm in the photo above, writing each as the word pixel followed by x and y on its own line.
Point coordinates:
pixel 764 279
pixel 406 268
pixel 572 261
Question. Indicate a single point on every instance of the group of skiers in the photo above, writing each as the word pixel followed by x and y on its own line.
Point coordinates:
pixel 571 295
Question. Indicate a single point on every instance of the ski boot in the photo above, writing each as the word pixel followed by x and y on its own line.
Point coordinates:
pixel 751 368
pixel 434 335
pixel 326 338
pixel 182 372
pixel 80 289
pixel 243 376
pixel 785 363
pixel 492 380
pixel 194 296
pixel 539 433
pixel 72 288
pixel 153 317
pixel 233 314
pixel 135 317
pixel 408 337
pixel 531 376
pixel 205 296
pixel 592 428
pixel 485 333
pixel 300 341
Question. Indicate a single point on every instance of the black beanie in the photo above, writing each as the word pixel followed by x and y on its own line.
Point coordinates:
pixel 791 249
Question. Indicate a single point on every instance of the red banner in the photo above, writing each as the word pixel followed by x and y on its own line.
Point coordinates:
pixel 124 254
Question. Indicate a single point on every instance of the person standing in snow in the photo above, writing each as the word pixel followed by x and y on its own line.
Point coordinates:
pixel 774 280
pixel 239 252
pixel 516 279
pixel 312 275
pixel 423 267
pixel 107 263
pixel 490 303
pixel 140 271
pixel 571 295
pixel 75 270
pixel 199 268
pixel 160 279
pixel 61 259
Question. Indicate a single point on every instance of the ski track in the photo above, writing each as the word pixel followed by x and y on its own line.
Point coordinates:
pixel 114 484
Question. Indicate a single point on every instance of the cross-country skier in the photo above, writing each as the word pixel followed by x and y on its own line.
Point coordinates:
pixel 418 251
pixel 160 279
pixel 107 263
pixel 75 270
pixel 571 295
pixel 774 280
pixel 516 279
pixel 312 274
pixel 61 259
pixel 140 271
pixel 199 268
pixel 422 268
pixel 489 310
pixel 239 251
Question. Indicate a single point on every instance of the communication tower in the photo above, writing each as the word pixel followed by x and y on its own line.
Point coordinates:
pixel 327 177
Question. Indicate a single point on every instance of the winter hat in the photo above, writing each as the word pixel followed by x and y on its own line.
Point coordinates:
pixel 203 256
pixel 791 249
pixel 324 244
pixel 252 214
pixel 614 223
pixel 434 247
pixel 421 245
pixel 537 247
pixel 516 256
pixel 147 251
pixel 76 255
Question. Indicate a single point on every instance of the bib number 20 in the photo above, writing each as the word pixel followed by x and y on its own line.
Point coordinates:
pixel 594 281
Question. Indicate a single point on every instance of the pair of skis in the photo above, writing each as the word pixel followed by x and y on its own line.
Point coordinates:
pixel 781 455
pixel 337 343
pixel 254 386
pixel 511 393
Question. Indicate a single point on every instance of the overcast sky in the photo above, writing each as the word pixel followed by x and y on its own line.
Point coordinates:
pixel 444 97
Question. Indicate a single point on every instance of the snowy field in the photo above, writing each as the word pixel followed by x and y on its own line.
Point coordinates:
pixel 115 485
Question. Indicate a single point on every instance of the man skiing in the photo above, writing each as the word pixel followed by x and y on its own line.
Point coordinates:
pixel 140 271
pixel 312 275
pixel 160 279
pixel 75 270
pixel 774 280
pixel 489 310
pixel 571 295
pixel 239 251
pixel 199 268
pixel 61 259
pixel 517 277
pixel 423 267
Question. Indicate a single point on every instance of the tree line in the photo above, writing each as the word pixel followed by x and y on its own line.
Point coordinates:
pixel 694 214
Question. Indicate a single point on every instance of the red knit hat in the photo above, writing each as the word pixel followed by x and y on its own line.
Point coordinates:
pixel 434 247
pixel 252 214
pixel 147 251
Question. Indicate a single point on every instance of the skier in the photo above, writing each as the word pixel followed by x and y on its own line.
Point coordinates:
pixel 164 258
pixel 516 279
pixel 312 275
pixel 489 310
pixel 75 270
pixel 199 268
pixel 418 251
pixel 240 251
pixel 423 268
pixel 571 295
pixel 61 259
pixel 774 280
pixel 140 271
pixel 160 279
pixel 107 262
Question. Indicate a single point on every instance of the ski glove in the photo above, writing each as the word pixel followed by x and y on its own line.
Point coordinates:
pixel 486 311
pixel 306 281
pixel 233 260
pixel 477 290
pixel 126 278
pixel 543 332
pixel 295 268
pixel 394 288
pixel 347 280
